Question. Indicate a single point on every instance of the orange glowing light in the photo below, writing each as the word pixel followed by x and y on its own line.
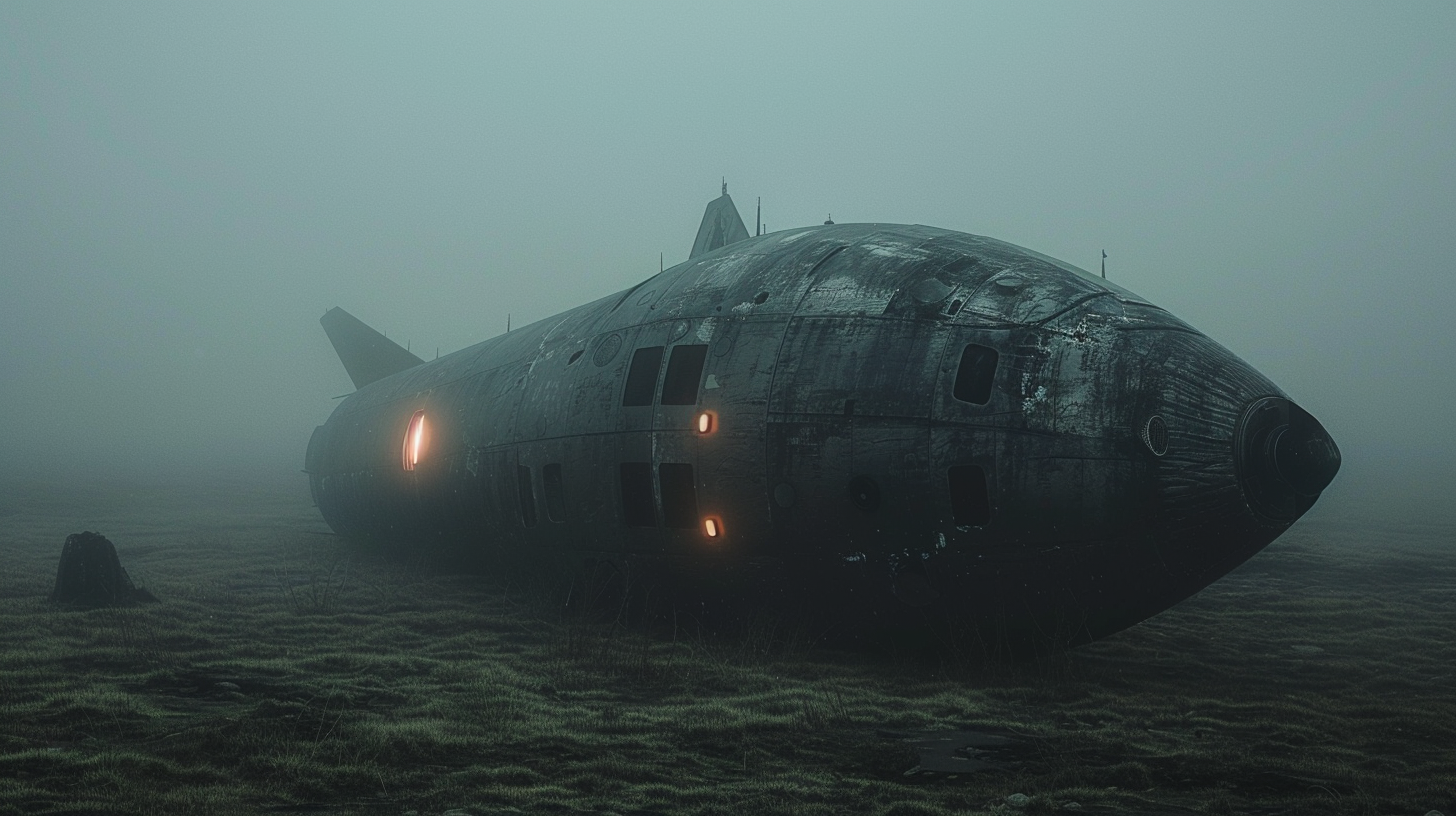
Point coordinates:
pixel 414 441
pixel 707 422
pixel 712 527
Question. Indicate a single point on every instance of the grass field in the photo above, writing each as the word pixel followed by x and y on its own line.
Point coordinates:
pixel 284 673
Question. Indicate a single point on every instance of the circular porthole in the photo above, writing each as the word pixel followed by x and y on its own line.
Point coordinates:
pixel 1155 435
pixel 1009 283
pixel 783 494
pixel 607 350
pixel 864 493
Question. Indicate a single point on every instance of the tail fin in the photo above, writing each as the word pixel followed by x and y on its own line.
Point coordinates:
pixel 722 225
pixel 366 354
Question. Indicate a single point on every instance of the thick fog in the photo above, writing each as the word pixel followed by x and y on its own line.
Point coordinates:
pixel 186 188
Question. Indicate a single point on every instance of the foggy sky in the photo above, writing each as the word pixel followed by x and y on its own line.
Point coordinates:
pixel 185 188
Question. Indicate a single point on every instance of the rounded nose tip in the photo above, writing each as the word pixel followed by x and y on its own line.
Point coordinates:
pixel 1304 454
pixel 1284 458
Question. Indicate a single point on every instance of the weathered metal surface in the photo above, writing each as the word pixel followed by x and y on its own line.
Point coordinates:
pixel 1113 468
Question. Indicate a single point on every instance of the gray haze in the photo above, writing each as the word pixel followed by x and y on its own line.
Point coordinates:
pixel 185 188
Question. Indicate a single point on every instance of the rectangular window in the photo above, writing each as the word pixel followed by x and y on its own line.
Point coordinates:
pixel 642 376
pixel 970 499
pixel 684 372
pixel 528 496
pixel 555 494
pixel 679 496
pixel 637 510
pixel 976 374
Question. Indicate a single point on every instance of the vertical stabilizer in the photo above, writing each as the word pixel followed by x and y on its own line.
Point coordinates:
pixel 722 225
pixel 366 354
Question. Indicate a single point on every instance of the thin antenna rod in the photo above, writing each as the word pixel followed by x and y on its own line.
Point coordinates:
pixel 758 218
pixel 659 263
pixel 1104 264
pixel 508 322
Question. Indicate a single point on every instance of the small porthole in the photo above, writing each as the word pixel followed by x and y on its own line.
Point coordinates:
pixel 864 493
pixel 1155 435
pixel 607 350
pixel 761 299
pixel 576 355
pixel 707 422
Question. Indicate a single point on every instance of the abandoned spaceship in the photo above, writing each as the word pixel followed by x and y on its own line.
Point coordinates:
pixel 891 425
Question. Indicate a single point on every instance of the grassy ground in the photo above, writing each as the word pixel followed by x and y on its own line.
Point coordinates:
pixel 284 673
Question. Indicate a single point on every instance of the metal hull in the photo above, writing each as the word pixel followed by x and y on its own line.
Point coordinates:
pixel 910 426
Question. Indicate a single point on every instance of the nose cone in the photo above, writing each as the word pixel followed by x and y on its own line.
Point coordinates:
pixel 1284 458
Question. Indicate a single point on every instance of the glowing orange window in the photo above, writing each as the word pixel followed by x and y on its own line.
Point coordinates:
pixel 414 441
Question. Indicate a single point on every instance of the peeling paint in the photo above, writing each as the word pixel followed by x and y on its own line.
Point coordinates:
pixel 896 251
pixel 1031 397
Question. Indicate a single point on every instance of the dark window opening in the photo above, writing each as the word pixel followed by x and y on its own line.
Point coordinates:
pixel 970 498
pixel 642 376
pixel 576 355
pixel 976 374
pixel 637 510
pixel 684 372
pixel 679 496
pixel 555 493
pixel 528 496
